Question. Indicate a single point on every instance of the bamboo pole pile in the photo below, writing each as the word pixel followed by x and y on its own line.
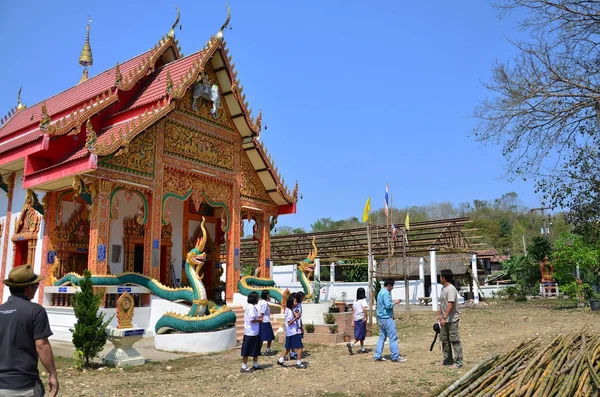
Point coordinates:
pixel 567 366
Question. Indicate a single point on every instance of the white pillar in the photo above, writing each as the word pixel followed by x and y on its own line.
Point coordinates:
pixel 421 287
pixel 475 280
pixel 317 275
pixel 375 266
pixel 332 272
pixel 434 284
pixel 294 274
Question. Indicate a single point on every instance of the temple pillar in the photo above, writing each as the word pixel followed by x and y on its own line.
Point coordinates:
pixel 264 249
pixel 434 284
pixel 152 263
pixel 475 280
pixel 5 234
pixel 421 287
pixel 233 235
pixel 100 229
pixel 50 202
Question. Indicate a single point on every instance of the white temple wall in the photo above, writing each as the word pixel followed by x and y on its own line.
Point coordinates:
pixel 17 205
pixel 176 208
pixel 127 208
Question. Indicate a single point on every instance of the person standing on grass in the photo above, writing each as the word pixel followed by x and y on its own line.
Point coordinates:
pixel 24 332
pixel 385 319
pixel 300 298
pixel 449 318
pixel 251 344
pixel 265 327
pixel 293 340
pixel 359 308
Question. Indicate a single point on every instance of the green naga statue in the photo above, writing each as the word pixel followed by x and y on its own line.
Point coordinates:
pixel 196 319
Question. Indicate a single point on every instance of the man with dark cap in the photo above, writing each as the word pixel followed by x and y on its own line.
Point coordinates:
pixel 24 332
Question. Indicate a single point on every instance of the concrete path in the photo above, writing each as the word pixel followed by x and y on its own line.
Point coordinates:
pixel 145 347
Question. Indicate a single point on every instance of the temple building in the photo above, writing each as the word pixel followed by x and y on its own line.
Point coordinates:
pixel 115 173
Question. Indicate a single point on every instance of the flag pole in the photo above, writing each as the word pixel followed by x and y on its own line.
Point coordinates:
pixel 392 222
pixel 370 266
pixel 406 292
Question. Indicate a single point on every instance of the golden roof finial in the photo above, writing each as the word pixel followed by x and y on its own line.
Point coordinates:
pixel 20 106
pixel 85 58
pixel 171 33
pixel 219 35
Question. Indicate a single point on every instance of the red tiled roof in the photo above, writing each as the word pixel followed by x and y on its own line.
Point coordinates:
pixel 64 101
pixel 77 155
pixel 19 141
pixel 154 86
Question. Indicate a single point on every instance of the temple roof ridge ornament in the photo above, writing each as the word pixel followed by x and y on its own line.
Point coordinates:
pixel 171 33
pixel 85 58
pixel 219 36
pixel 20 106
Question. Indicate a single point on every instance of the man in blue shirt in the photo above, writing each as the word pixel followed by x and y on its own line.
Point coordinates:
pixel 385 319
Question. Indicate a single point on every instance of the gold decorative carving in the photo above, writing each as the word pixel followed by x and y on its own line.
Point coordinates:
pixel 142 151
pixel 125 306
pixel 74 233
pixel 194 145
pixel 122 138
pixel 251 185
pixel 181 184
pixel 114 209
pixel 1 227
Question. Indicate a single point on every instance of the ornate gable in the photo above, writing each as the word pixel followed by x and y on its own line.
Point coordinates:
pixel 252 187
pixel 138 159
pixel 201 108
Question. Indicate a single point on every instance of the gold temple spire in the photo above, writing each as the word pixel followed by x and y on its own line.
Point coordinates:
pixel 20 106
pixel 85 58
pixel 219 35
pixel 171 33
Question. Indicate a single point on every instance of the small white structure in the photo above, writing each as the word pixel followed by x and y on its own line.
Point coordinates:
pixel 123 352
pixel 200 342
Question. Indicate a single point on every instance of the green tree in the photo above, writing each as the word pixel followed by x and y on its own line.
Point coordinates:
pixel 573 250
pixel 523 271
pixel 89 333
pixel 545 107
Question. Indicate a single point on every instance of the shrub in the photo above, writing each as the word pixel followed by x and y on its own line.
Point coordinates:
pixel 89 334
pixel 310 328
pixel 333 329
pixel 329 318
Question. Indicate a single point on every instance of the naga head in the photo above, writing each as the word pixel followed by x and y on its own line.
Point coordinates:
pixel 196 257
pixel 307 266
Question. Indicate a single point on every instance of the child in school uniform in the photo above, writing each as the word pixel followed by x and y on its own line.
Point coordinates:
pixel 293 340
pixel 300 298
pixel 265 329
pixel 251 344
pixel 359 311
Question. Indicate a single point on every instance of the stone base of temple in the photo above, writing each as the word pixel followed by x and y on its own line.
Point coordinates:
pixel 201 342
pixel 123 353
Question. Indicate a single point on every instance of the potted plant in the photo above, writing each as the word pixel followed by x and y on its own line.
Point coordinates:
pixel 329 318
pixel 333 329
pixel 310 328
pixel 592 297
pixel 341 304
pixel 333 308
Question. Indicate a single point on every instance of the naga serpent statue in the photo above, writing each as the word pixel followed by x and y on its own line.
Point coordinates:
pixel 194 320
pixel 304 271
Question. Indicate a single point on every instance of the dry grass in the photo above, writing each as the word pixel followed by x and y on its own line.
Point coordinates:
pixel 332 372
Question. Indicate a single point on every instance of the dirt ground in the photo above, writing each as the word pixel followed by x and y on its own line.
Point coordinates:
pixel 332 371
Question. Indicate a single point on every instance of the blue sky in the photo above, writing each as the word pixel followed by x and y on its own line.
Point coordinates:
pixel 354 94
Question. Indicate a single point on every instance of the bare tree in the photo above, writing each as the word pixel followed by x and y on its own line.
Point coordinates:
pixel 545 108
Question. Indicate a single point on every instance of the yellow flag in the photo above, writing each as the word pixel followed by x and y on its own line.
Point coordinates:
pixel 367 210
pixel 407 222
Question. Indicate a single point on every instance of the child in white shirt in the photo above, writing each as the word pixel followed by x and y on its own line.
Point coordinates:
pixel 293 340
pixel 359 315
pixel 266 329
pixel 251 344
